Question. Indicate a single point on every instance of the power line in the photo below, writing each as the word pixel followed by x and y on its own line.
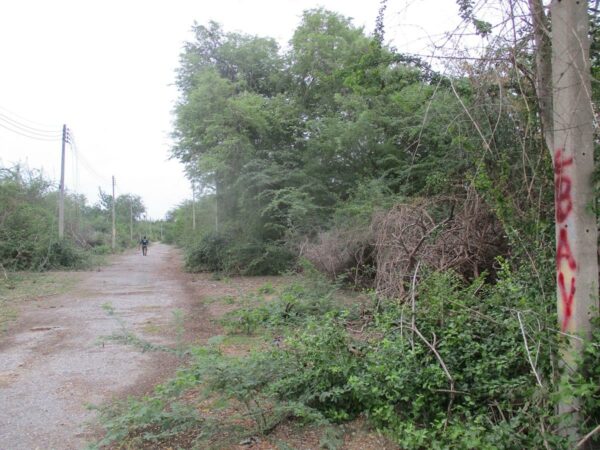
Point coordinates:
pixel 30 136
pixel 36 124
pixel 27 128
pixel 81 160
pixel 19 126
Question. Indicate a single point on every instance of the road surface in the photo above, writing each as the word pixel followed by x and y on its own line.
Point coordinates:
pixel 53 363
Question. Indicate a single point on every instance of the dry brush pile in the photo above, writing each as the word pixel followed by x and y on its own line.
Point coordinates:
pixel 443 233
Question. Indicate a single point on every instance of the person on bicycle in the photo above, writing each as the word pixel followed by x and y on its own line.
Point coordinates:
pixel 144 243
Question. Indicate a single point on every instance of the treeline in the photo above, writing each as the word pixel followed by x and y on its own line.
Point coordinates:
pixel 29 223
pixel 302 152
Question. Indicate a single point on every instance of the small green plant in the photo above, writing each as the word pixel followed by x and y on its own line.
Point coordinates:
pixel 109 308
pixel 266 289
pixel 127 337
pixel 150 419
pixel 298 302
pixel 228 300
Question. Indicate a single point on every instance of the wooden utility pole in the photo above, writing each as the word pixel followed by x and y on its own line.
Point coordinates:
pixel 114 228
pixel 573 159
pixel 61 194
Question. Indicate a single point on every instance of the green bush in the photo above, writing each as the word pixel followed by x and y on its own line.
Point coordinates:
pixel 219 252
pixel 484 394
pixel 63 254
pixel 207 254
pixel 587 382
pixel 298 303
pixel 260 258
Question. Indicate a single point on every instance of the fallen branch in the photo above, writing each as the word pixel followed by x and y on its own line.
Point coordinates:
pixel 537 376
pixel 587 437
pixel 444 368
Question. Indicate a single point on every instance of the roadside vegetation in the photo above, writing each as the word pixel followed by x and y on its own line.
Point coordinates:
pixel 29 225
pixel 300 361
pixel 29 243
pixel 416 205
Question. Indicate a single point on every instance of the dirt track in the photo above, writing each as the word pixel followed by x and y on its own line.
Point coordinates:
pixel 52 364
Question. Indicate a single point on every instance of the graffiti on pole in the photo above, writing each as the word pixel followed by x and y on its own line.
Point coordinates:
pixel 565 261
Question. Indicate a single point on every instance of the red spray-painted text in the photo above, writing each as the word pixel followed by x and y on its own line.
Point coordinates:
pixel 565 261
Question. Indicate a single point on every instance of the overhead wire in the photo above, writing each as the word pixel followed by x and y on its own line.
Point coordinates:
pixel 30 135
pixel 74 163
pixel 32 122
pixel 26 128
pixel 81 160
pixel 33 130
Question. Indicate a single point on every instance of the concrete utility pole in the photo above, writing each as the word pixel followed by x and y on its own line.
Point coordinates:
pixel 573 159
pixel 61 194
pixel 114 228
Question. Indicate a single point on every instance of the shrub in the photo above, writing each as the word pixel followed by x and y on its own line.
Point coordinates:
pixel 456 376
pixel 259 258
pixel 300 302
pixel 458 234
pixel 64 254
pixel 461 377
pixel 207 254
pixel 219 252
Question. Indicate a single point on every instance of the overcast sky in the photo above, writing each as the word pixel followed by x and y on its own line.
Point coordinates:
pixel 106 69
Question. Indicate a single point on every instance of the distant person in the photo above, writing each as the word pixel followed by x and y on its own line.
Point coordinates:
pixel 144 243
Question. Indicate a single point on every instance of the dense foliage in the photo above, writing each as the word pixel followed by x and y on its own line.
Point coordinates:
pixel 277 141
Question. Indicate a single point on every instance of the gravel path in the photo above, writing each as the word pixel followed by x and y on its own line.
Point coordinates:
pixel 52 364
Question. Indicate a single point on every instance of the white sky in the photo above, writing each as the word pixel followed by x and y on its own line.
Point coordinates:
pixel 106 70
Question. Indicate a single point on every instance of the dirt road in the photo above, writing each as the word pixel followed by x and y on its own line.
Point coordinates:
pixel 53 364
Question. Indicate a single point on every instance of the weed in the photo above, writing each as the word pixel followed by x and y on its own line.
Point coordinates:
pixel 127 337
pixel 296 303
pixel 228 299
pixel 266 289
pixel 215 341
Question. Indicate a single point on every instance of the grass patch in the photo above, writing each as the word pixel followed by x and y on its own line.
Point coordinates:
pixel 152 328
pixel 18 287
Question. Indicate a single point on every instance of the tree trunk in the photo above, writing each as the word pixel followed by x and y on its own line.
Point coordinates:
pixel 543 63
